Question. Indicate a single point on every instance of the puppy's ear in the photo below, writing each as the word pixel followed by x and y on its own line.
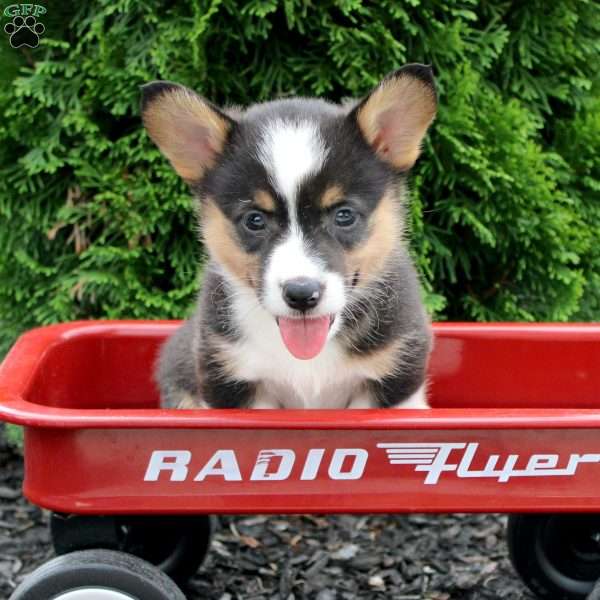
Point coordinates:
pixel 188 129
pixel 395 116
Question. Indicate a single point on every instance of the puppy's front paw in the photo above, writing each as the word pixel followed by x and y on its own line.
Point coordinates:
pixel 417 400
pixel 361 400
pixel 187 401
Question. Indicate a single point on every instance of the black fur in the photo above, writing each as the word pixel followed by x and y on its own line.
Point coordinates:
pixel 151 91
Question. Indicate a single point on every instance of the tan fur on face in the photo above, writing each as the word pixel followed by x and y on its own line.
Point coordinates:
pixel 187 130
pixel 264 201
pixel 395 118
pixel 383 361
pixel 385 231
pixel 332 195
pixel 220 239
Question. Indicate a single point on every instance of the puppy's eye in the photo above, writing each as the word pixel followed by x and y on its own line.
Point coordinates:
pixel 345 217
pixel 255 221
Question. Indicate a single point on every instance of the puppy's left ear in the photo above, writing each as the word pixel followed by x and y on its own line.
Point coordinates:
pixel 189 130
pixel 395 116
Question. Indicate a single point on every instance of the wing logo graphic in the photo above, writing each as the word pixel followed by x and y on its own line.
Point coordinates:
pixel 434 459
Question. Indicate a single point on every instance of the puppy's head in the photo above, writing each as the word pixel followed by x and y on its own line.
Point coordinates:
pixel 298 197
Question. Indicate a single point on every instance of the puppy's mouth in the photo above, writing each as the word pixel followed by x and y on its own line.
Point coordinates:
pixel 304 337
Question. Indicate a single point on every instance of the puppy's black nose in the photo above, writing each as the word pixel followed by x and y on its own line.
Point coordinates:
pixel 302 293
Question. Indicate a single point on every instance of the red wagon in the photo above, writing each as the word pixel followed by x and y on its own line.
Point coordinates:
pixel 514 428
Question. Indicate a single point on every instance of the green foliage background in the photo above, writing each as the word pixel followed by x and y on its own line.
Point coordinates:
pixel 505 200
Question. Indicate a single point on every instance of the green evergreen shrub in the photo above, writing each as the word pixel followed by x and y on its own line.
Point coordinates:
pixel 505 201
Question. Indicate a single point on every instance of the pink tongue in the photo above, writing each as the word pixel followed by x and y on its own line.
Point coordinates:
pixel 304 338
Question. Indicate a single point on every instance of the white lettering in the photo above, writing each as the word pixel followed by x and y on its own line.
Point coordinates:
pixel 286 462
pixel 223 463
pixel 434 460
pixel 541 462
pixel 175 461
pixel 357 467
pixel 312 464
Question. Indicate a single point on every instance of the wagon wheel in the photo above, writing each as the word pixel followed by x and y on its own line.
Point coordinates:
pixel 97 575
pixel 595 593
pixel 175 544
pixel 557 556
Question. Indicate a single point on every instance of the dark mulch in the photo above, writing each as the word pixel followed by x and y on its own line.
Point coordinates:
pixel 24 540
pixel 398 557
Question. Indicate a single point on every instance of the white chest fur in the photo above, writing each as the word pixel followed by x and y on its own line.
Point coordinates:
pixel 330 380
pixel 327 381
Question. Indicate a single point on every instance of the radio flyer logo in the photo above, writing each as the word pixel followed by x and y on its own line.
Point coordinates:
pixel 434 459
pixel 437 460
pixel 24 29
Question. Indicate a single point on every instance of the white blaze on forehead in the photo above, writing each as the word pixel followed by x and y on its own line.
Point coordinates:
pixel 290 259
pixel 290 151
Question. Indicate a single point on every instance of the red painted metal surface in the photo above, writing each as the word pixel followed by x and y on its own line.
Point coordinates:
pixel 515 427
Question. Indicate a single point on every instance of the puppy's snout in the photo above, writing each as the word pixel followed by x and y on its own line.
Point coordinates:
pixel 302 293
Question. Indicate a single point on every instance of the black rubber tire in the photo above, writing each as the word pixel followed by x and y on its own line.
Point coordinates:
pixel 107 569
pixel 558 555
pixel 175 544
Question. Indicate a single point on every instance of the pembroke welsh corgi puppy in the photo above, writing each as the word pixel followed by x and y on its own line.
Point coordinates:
pixel 309 298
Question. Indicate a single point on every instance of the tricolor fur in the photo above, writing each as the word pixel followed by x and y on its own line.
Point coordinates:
pixel 309 299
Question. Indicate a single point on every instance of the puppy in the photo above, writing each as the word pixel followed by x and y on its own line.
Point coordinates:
pixel 309 297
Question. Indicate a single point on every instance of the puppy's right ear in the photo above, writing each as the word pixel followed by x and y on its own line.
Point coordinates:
pixel 189 130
